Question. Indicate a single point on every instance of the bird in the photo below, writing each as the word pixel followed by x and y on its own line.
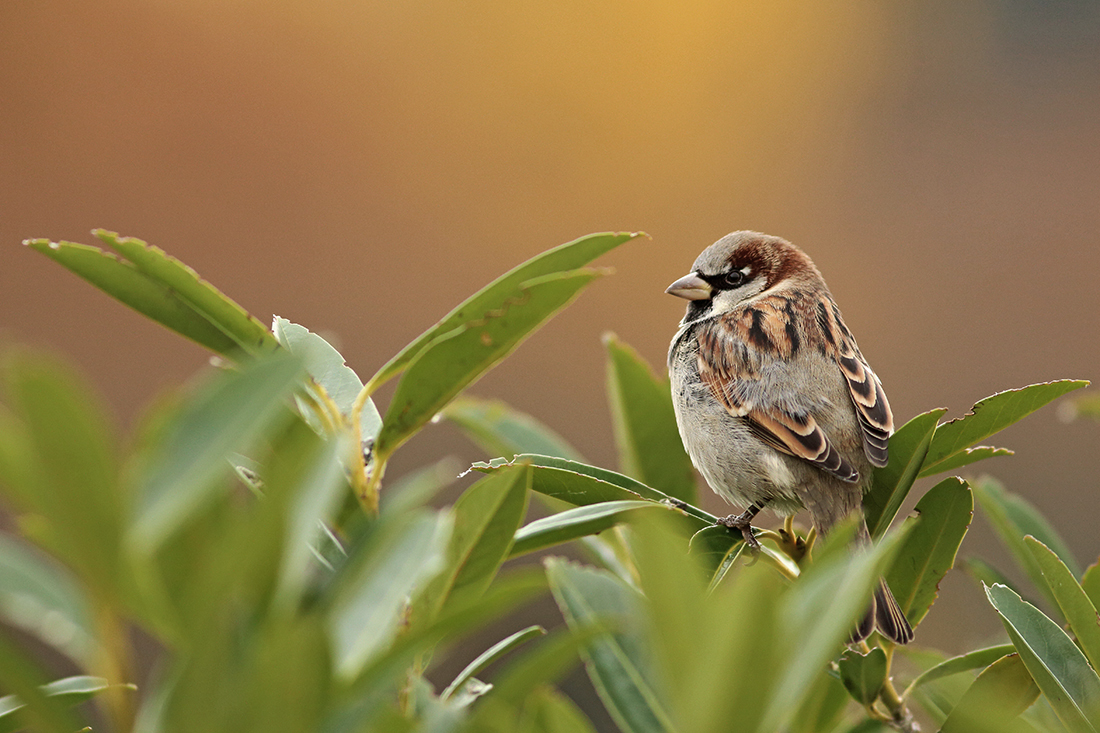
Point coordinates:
pixel 775 404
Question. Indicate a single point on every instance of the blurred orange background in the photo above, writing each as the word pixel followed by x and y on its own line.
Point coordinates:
pixel 360 167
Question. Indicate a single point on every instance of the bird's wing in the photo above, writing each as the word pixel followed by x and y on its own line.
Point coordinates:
pixel 876 421
pixel 732 350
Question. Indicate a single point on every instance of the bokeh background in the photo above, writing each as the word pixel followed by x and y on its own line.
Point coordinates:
pixel 360 167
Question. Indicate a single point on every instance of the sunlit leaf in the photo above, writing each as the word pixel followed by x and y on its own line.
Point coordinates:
pixel 576 523
pixel 501 430
pixel 990 416
pixel 962 663
pixel 497 294
pixel 490 655
pixel 1078 610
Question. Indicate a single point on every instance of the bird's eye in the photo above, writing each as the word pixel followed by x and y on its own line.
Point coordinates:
pixel 734 279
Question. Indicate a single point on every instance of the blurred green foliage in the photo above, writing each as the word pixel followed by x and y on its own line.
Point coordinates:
pixel 246 530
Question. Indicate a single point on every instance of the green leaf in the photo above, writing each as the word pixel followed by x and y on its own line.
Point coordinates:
pixel 392 567
pixel 1054 661
pixel 69 472
pixel 202 297
pixel 818 615
pixel 1012 517
pixel 41 597
pixel 1078 610
pixel 823 708
pixel 1090 582
pixel 990 416
pixel 892 483
pixel 995 699
pixel 863 674
pixel 717 548
pixel 486 517
pixel 328 370
pixel 458 358
pixel 501 430
pixel 962 663
pixel 966 457
pixel 943 517
pixel 125 283
pixel 499 293
pixel 580 484
pixel 30 705
pixel 616 657
pixel 648 440
pixel 985 573
pixel 490 655
pixel 547 711
pixel 576 523
pixel 182 474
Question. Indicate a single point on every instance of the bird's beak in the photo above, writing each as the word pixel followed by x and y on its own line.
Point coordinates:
pixel 690 287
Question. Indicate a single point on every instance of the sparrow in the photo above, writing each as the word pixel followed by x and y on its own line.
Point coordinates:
pixel 774 401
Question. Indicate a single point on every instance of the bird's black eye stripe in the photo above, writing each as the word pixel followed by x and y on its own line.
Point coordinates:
pixel 727 280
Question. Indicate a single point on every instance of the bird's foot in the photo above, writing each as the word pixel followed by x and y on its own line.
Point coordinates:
pixel 743 522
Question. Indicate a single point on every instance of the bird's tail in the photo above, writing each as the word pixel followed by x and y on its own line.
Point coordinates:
pixel 886 615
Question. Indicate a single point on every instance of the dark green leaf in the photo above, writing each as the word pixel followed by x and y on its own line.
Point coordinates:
pixel 863 674
pixel 990 416
pixel 1012 517
pixel 617 657
pixel 328 370
pixel 201 296
pixel 717 548
pixel 576 523
pixel 649 442
pixel 501 430
pixel 182 474
pixel 1075 604
pixel 996 698
pixel 892 483
pixel 125 283
pixel 486 517
pixel 490 655
pixel 961 663
pixel 943 517
pixel 458 358
pixel 499 293
pixel 41 597
pixel 965 458
pixel 1054 661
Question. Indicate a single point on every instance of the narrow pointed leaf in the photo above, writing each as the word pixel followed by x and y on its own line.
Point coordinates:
pixel 182 474
pixel 648 440
pixel 1012 518
pixel 963 663
pixel 908 447
pixel 1078 610
pixel 201 296
pixel 490 655
pixel 943 517
pixel 994 700
pixel 497 294
pixel 965 458
pixel 1090 582
pixel 990 416
pixel 29 706
pixel 617 657
pixel 486 517
pixel 863 674
pixel 575 523
pixel 458 358
pixel 327 368
pixel 126 284
pixel 1054 661
pixel 502 430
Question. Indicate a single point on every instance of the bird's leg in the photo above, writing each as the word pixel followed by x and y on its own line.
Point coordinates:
pixel 743 522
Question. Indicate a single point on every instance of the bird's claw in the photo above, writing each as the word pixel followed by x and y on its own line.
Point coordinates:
pixel 742 522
